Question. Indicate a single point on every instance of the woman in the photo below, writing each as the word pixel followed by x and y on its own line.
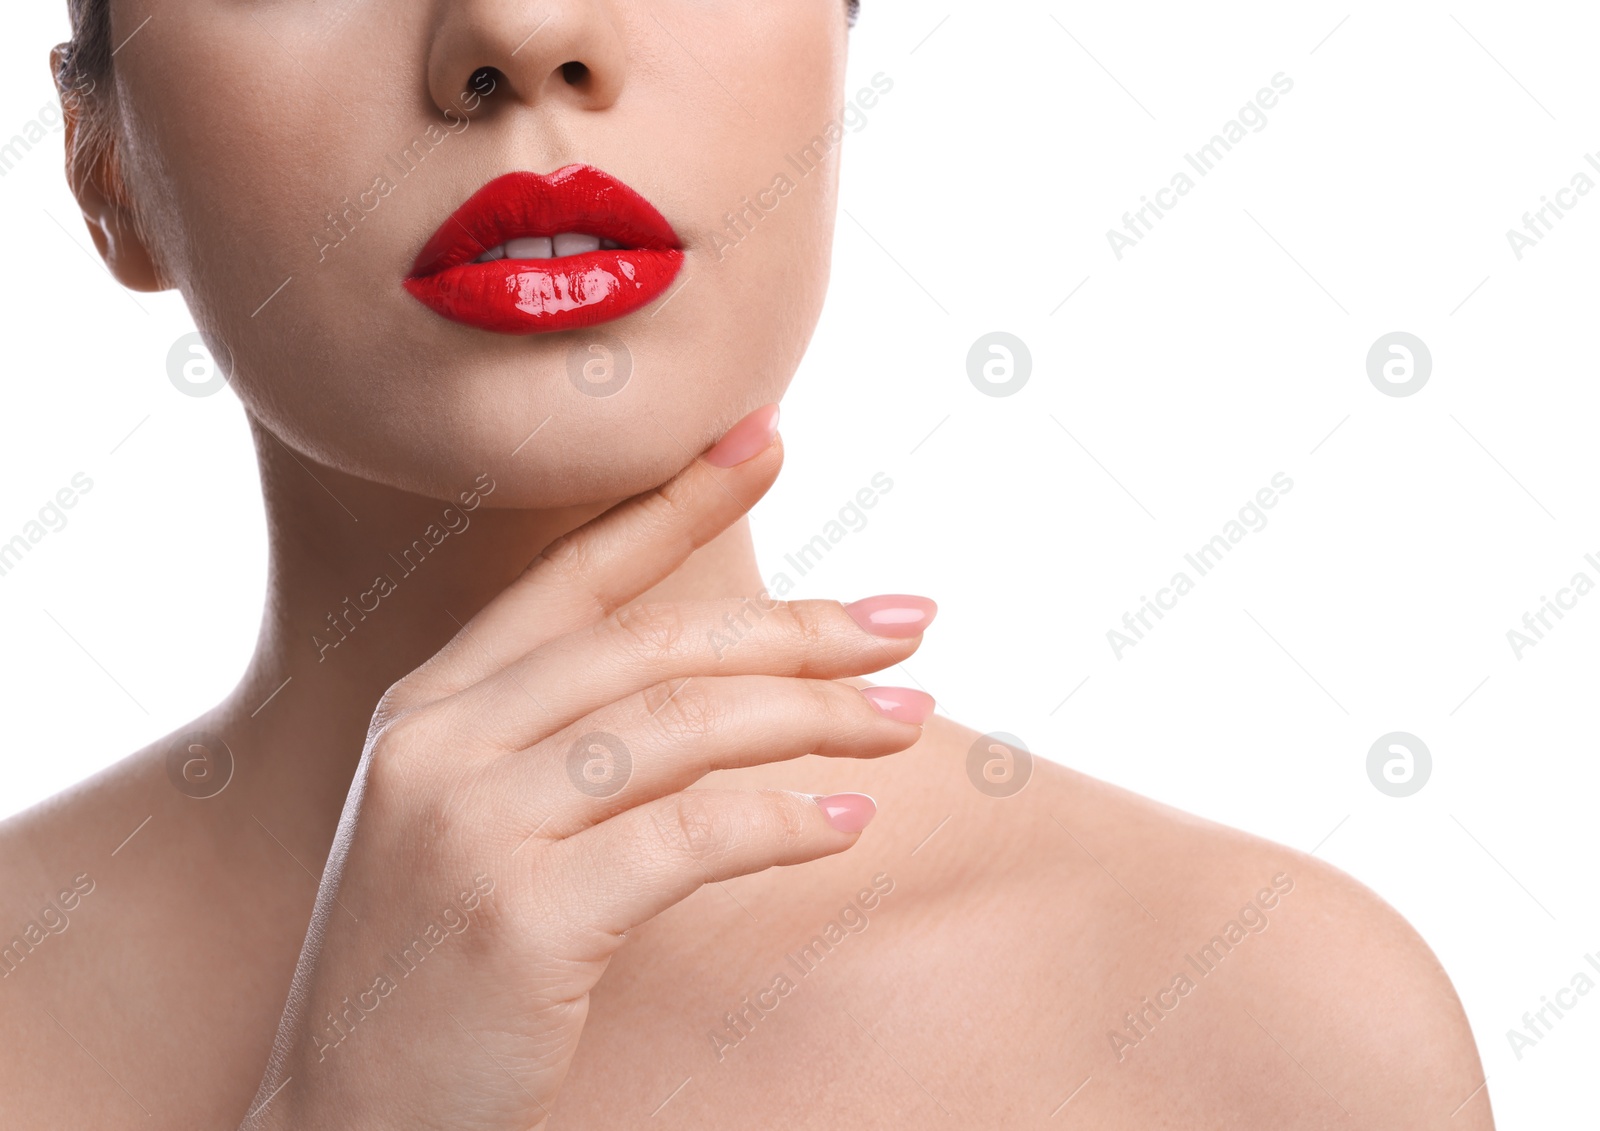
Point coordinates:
pixel 510 295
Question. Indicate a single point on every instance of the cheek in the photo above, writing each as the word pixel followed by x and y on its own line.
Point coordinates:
pixel 246 147
pixel 773 117
pixel 259 124
pixel 762 228
pixel 267 154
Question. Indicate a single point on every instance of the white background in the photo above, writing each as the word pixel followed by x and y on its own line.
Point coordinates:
pixel 1229 345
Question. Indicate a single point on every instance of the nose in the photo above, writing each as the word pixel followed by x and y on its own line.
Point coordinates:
pixel 538 53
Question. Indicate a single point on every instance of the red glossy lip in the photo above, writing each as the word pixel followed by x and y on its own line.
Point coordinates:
pixel 531 296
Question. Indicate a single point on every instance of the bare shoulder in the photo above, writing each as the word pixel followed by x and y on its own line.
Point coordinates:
pixel 1278 985
pixel 1191 972
pixel 130 923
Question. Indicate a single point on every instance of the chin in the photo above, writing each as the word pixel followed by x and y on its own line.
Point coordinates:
pixel 376 385
pixel 531 421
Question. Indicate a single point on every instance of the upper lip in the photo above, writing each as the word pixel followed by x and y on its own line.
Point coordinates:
pixel 574 198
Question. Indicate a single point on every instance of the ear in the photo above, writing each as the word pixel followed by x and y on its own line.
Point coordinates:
pixel 96 181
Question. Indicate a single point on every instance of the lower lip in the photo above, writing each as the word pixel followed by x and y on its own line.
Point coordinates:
pixel 534 296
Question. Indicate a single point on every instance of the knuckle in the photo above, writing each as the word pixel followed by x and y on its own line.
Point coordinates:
pixel 411 793
pixel 570 565
pixel 695 828
pixel 668 509
pixel 686 710
pixel 802 620
pixel 844 712
pixel 398 745
pixel 838 712
pixel 565 552
pixel 662 509
pixel 785 819
pixel 665 505
pixel 653 632
pixel 394 702
pixel 570 558
pixel 392 737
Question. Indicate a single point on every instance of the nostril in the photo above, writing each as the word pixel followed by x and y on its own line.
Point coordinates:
pixel 484 81
pixel 574 72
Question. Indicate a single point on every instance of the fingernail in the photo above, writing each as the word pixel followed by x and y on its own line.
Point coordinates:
pixel 746 438
pixel 892 614
pixel 848 812
pixel 903 704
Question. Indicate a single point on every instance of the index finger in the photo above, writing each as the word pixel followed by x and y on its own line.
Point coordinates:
pixel 587 574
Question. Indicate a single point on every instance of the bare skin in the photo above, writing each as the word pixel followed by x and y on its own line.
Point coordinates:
pixel 1015 935
pixel 587 954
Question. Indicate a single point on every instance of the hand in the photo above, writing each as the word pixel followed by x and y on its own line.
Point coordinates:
pixel 523 801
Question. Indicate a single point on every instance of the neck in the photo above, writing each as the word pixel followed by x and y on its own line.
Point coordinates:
pixel 365 583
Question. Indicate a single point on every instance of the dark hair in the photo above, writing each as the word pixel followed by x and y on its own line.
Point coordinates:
pixel 86 58
pixel 83 64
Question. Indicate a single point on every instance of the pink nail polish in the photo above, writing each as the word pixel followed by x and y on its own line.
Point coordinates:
pixel 848 812
pixel 892 614
pixel 745 439
pixel 903 704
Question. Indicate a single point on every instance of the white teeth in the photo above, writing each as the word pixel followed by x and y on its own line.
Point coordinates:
pixel 546 247
pixel 575 243
pixel 528 247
